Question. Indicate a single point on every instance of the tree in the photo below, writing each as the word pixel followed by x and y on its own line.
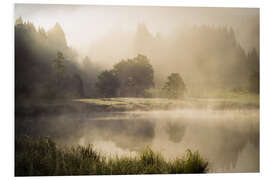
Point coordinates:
pixel 254 82
pixel 134 75
pixel 58 65
pixel 107 84
pixel 57 36
pixel 19 20
pixel 53 74
pixel 253 61
pixel 87 64
pixel 175 86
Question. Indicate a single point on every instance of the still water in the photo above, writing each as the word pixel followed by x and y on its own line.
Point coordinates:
pixel 229 140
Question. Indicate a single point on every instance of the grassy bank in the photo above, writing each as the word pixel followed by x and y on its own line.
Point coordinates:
pixel 232 101
pixel 246 101
pixel 43 157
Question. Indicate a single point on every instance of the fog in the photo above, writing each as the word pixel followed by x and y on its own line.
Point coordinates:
pixel 207 46
pixel 229 140
pixel 213 49
pixel 86 24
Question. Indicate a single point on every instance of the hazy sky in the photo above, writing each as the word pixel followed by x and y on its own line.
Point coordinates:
pixel 83 24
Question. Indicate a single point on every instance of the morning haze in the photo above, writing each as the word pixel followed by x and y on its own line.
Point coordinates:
pixel 166 89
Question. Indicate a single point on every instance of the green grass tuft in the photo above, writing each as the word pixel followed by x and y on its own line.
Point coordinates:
pixel 42 157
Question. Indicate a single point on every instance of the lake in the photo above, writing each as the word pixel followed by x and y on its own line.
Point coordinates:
pixel 228 139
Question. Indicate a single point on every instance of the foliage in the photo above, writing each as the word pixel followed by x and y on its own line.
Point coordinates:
pixel 135 76
pixel 254 82
pixel 41 59
pixel 189 163
pixel 207 57
pixel 175 86
pixel 43 157
pixel 58 65
pixel 128 78
pixel 35 48
pixel 107 84
pixel 254 75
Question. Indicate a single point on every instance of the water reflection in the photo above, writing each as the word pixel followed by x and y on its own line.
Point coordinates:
pixel 175 131
pixel 127 134
pixel 228 139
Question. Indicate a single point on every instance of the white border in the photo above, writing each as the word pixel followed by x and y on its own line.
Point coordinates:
pixel 190 3
pixel 7 82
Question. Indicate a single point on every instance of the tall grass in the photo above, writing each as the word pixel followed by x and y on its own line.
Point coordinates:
pixel 42 157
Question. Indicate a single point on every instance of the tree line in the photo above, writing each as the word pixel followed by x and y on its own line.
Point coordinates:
pixel 46 67
pixel 133 77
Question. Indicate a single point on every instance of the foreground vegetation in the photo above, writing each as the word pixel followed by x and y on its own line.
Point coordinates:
pixel 42 157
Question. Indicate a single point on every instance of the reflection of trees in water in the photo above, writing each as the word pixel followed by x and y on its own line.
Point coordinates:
pixel 232 143
pixel 254 135
pixel 58 127
pixel 232 140
pixel 176 131
pixel 222 141
pixel 127 134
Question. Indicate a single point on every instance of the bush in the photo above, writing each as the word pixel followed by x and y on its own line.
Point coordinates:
pixel 175 86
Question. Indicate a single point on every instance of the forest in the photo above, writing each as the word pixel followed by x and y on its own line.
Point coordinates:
pixel 46 67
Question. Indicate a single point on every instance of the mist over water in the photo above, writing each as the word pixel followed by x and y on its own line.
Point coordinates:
pixel 213 51
pixel 229 140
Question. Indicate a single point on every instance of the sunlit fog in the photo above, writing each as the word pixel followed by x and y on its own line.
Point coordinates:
pixel 86 25
pixel 136 90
